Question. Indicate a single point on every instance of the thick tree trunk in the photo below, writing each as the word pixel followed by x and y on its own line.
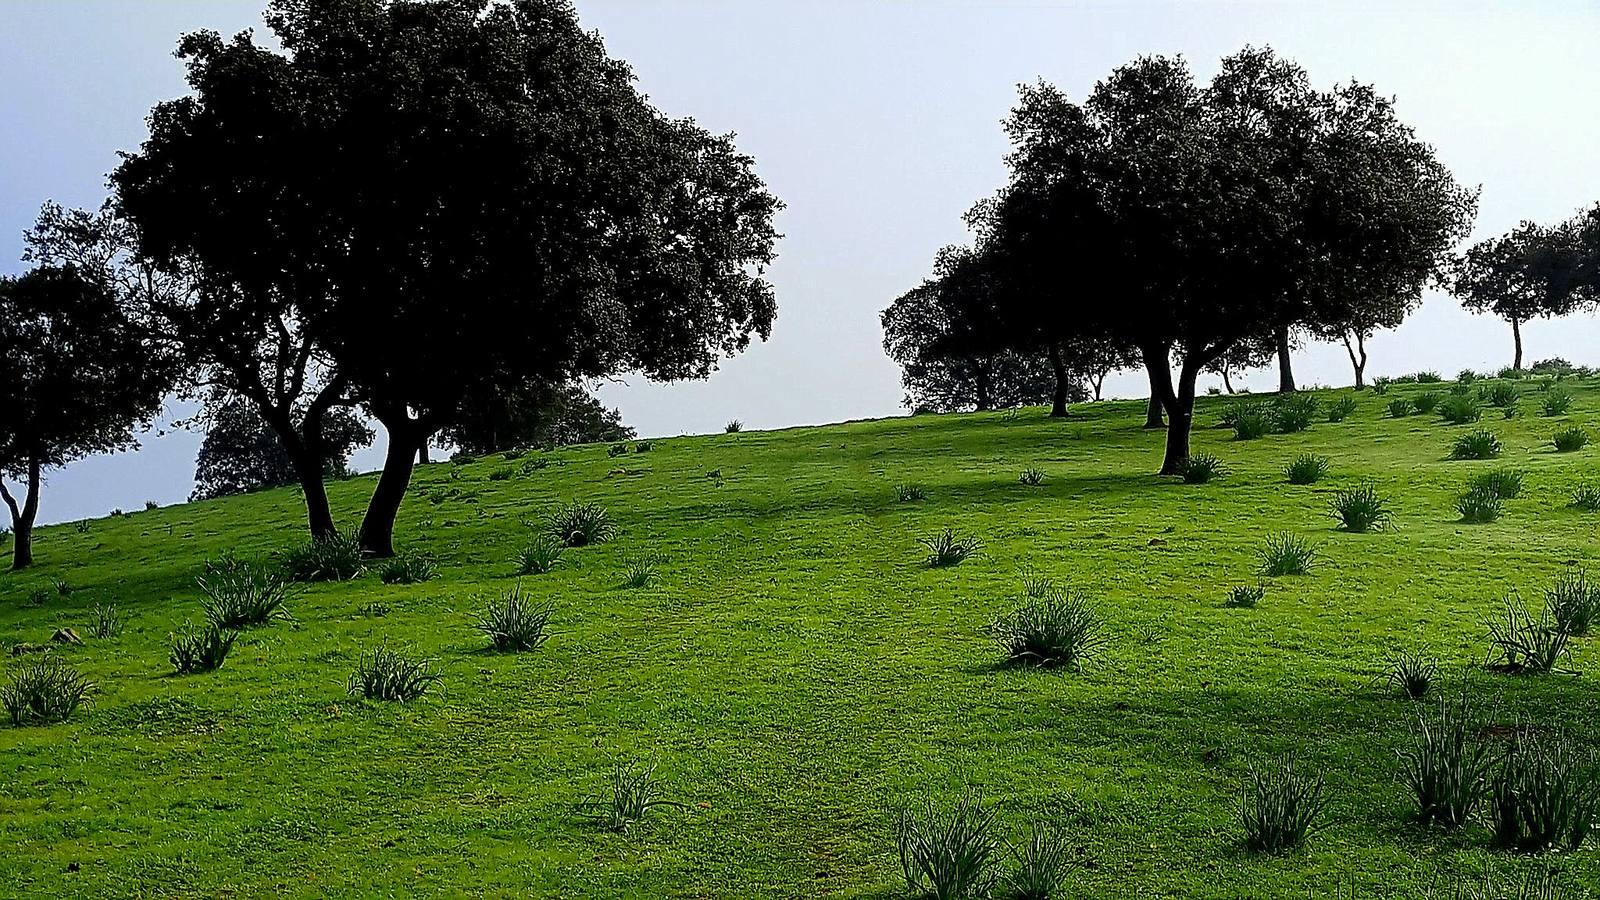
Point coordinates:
pixel 309 468
pixel 22 518
pixel 1358 357
pixel 422 453
pixel 1058 404
pixel 377 526
pixel 1516 335
pixel 1152 412
pixel 1179 404
pixel 1285 368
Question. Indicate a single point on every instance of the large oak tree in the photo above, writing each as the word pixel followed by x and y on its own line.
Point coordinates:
pixel 448 200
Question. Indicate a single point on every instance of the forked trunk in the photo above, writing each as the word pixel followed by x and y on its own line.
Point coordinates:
pixel 22 518
pixel 1358 358
pixel 377 526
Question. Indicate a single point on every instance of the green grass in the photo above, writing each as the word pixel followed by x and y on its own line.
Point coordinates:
pixel 803 672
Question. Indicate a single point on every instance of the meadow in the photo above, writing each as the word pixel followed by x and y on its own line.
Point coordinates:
pixel 764 630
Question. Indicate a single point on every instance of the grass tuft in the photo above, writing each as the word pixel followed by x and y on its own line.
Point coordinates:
pixel 578 524
pixel 1286 554
pixel 1413 674
pixel 1546 793
pixel 1503 483
pixel 1478 505
pixel 1524 644
pixel 105 621
pixel 388 675
pixel 1399 407
pixel 1307 468
pixel 1447 766
pixel 1244 596
pixel 1056 630
pixel 947 549
pixel 514 623
pixel 540 556
pixel 1342 408
pixel 1360 509
pixel 1040 865
pixel 406 568
pixel 241 592
pixel 1574 602
pixel 1479 444
pixel 632 793
pixel 1031 477
pixel 200 648
pixel 1586 497
pixel 1555 402
pixel 1202 468
pixel 44 691
pixel 910 493
pixel 1280 806
pixel 1568 440
pixel 948 853
pixel 334 558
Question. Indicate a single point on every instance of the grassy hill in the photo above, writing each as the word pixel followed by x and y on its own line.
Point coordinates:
pixel 796 672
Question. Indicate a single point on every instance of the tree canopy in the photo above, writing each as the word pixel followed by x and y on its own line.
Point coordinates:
pixel 242 453
pixel 1532 271
pixel 553 416
pixel 435 201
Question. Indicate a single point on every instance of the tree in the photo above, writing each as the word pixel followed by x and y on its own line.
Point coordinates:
pixel 436 201
pixel 951 354
pixel 242 453
pixel 1247 353
pixel 1520 275
pixel 556 415
pixel 76 378
pixel 1192 218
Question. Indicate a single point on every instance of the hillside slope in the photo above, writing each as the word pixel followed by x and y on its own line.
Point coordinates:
pixel 795 671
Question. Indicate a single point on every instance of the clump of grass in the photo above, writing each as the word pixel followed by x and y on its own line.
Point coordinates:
pixel 44 691
pixel 1460 409
pixel 1569 439
pixel 632 793
pixel 1525 644
pixel 386 674
pixel 105 621
pixel 1586 497
pixel 514 623
pixel 38 597
pixel 1380 385
pixel 240 593
pixel 1293 412
pixel 910 492
pixel 1556 402
pixel 1508 412
pixel 1286 554
pixel 948 549
pixel 1479 505
pixel 1479 444
pixel 535 464
pixel 1360 509
pixel 1202 468
pixel 200 648
pixel 1280 806
pixel 1031 477
pixel 540 556
pixel 1056 630
pixel 514 454
pixel 1427 401
pixel 1428 376
pixel 1307 468
pixel 1249 419
pixel 500 475
pixel 336 557
pixel 1399 407
pixel 616 450
pixel 948 852
pixel 1545 795
pixel 1574 602
pixel 1040 865
pixel 639 573
pixel 1342 408
pixel 1244 596
pixel 1466 376
pixel 1412 674
pixel 580 524
pixel 374 610
pixel 642 447
pixel 406 568
pixel 1446 766
pixel 734 426
pixel 1502 394
pixel 1503 483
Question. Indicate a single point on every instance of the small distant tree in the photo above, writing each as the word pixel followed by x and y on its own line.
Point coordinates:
pixel 558 415
pixel 1520 275
pixel 1247 353
pixel 77 377
pixel 242 453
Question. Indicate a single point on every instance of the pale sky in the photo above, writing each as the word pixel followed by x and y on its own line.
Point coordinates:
pixel 878 124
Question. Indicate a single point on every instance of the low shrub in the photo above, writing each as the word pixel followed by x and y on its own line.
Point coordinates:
pixel 1568 440
pixel 1057 630
pixel 1360 509
pixel 1586 497
pixel 1380 385
pixel 337 557
pixel 1281 806
pixel 1427 376
pixel 734 426
pixel 1399 408
pixel 540 556
pixel 1286 554
pixel 462 458
pixel 388 675
pixel 198 649
pixel 580 524
pixel 1307 468
pixel 1574 602
pixel 1031 477
pixel 44 691
pixel 1502 394
pixel 1201 468
pixel 1476 445
pixel 1244 596
pixel 946 549
pixel 1466 376
pixel 406 568
pixel 1460 410
pixel 240 593
pixel 910 493
pixel 514 623
pixel 1525 644
pixel 633 792
pixel 1427 401
pixel 948 852
pixel 643 447
pixel 1545 794
pixel 1249 419
pixel 1504 483
pixel 616 450
pixel 1478 506
pixel 1556 402
pixel 1293 412
pixel 1447 766
pixel 1412 674
pixel 1511 373
pixel 1342 408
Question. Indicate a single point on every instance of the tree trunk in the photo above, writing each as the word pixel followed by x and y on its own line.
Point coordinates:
pixel 1058 405
pixel 1285 368
pixel 1358 357
pixel 422 453
pixel 1152 413
pixel 1179 404
pixel 1516 335
pixel 22 518
pixel 1227 383
pixel 309 468
pixel 377 526
pixel 1099 384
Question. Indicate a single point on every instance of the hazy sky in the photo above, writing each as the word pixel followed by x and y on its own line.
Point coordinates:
pixel 878 124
